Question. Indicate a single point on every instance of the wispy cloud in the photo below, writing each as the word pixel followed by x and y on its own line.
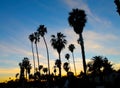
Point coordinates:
pixel 97 43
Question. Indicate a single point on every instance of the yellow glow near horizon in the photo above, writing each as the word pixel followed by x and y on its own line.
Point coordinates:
pixel 8 74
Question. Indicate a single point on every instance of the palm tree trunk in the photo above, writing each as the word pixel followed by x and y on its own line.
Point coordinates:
pixel 60 65
pixel 26 74
pixel 37 54
pixel 69 64
pixel 74 63
pixel 47 55
pixel 83 52
pixel 33 55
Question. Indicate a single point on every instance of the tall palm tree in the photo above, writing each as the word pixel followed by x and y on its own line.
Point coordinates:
pixel 42 30
pixel 31 38
pixel 36 41
pixel 77 19
pixel 67 56
pixel 71 48
pixel 58 42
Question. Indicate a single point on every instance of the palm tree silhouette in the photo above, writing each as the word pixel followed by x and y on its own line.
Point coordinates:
pixel 99 66
pixel 67 56
pixel 55 70
pixel 45 70
pixel 58 42
pixel 31 38
pixel 71 48
pixel 77 19
pixel 36 36
pixel 42 30
pixel 21 71
pixel 66 66
pixel 40 67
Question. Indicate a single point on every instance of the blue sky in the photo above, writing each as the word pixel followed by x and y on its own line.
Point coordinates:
pixel 19 18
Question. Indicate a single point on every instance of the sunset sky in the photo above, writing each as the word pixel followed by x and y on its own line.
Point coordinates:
pixel 19 18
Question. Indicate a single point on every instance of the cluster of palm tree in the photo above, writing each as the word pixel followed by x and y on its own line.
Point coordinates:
pixel 25 66
pixel 35 38
pixel 66 65
pixel 58 42
pixel 77 19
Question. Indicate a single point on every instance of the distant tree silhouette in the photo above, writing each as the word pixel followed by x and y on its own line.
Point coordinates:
pixel 58 64
pixel 55 70
pixel 42 30
pixel 37 38
pixel 45 70
pixel 77 19
pixel 107 67
pixel 95 65
pixel 16 75
pixel 117 3
pixel 31 38
pixel 99 66
pixel 21 71
pixel 71 48
pixel 58 42
pixel 27 66
pixel 66 66
pixel 67 56
pixel 40 67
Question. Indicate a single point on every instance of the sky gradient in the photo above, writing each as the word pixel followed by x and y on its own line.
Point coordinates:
pixel 19 18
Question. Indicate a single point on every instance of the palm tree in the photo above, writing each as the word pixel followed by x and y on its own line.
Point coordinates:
pixel 71 48
pixel 16 75
pixel 42 30
pixel 77 19
pixel 117 3
pixel 55 70
pixel 40 67
pixel 36 41
pixel 58 42
pixel 31 38
pixel 67 56
pixel 66 66
pixel 45 70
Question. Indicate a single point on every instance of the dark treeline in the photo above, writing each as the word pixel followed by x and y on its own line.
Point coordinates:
pixel 97 73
